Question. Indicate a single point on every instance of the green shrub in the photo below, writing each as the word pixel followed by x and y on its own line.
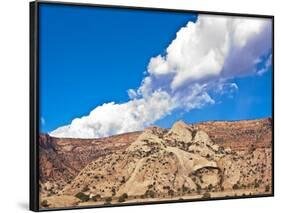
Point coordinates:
pixel 44 203
pixel 206 195
pixel 123 180
pixel 96 197
pixel 86 188
pixel 108 200
pixel 123 197
pixel 193 134
pixel 150 186
pixel 210 187
pixel 235 186
pixel 150 193
pixel 166 187
pixel 113 190
pixel 267 188
pixel 83 197
pixel 184 188
pixel 171 192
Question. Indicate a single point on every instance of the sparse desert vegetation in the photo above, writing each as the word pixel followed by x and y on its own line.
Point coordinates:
pixel 202 161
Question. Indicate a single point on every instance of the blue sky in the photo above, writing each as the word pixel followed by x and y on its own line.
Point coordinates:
pixel 252 101
pixel 90 56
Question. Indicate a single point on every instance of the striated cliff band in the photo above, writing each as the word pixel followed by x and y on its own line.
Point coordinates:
pixel 208 159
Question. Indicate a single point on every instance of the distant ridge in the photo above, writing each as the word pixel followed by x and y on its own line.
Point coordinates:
pixel 185 160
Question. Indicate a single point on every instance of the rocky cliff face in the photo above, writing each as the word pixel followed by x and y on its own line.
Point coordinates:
pixel 240 135
pixel 151 165
pixel 184 161
pixel 62 159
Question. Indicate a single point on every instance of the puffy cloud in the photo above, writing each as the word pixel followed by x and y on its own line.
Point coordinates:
pixel 241 61
pixel 225 88
pixel 213 47
pixel 202 59
pixel 112 118
pixel 132 93
pixel 266 66
pixel 158 65
pixel 195 97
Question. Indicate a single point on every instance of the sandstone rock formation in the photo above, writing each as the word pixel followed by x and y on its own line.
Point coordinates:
pixel 186 161
pixel 62 159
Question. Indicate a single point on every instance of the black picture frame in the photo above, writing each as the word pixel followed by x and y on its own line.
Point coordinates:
pixel 34 101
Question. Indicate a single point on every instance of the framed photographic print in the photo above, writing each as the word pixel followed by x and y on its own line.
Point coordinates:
pixel 133 105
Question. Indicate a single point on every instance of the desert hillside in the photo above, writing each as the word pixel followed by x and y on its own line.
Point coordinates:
pixel 250 132
pixel 214 159
pixel 62 159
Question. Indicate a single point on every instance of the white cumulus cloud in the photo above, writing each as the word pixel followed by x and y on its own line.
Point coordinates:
pixel 203 58
pixel 112 118
pixel 213 47
pixel 266 66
